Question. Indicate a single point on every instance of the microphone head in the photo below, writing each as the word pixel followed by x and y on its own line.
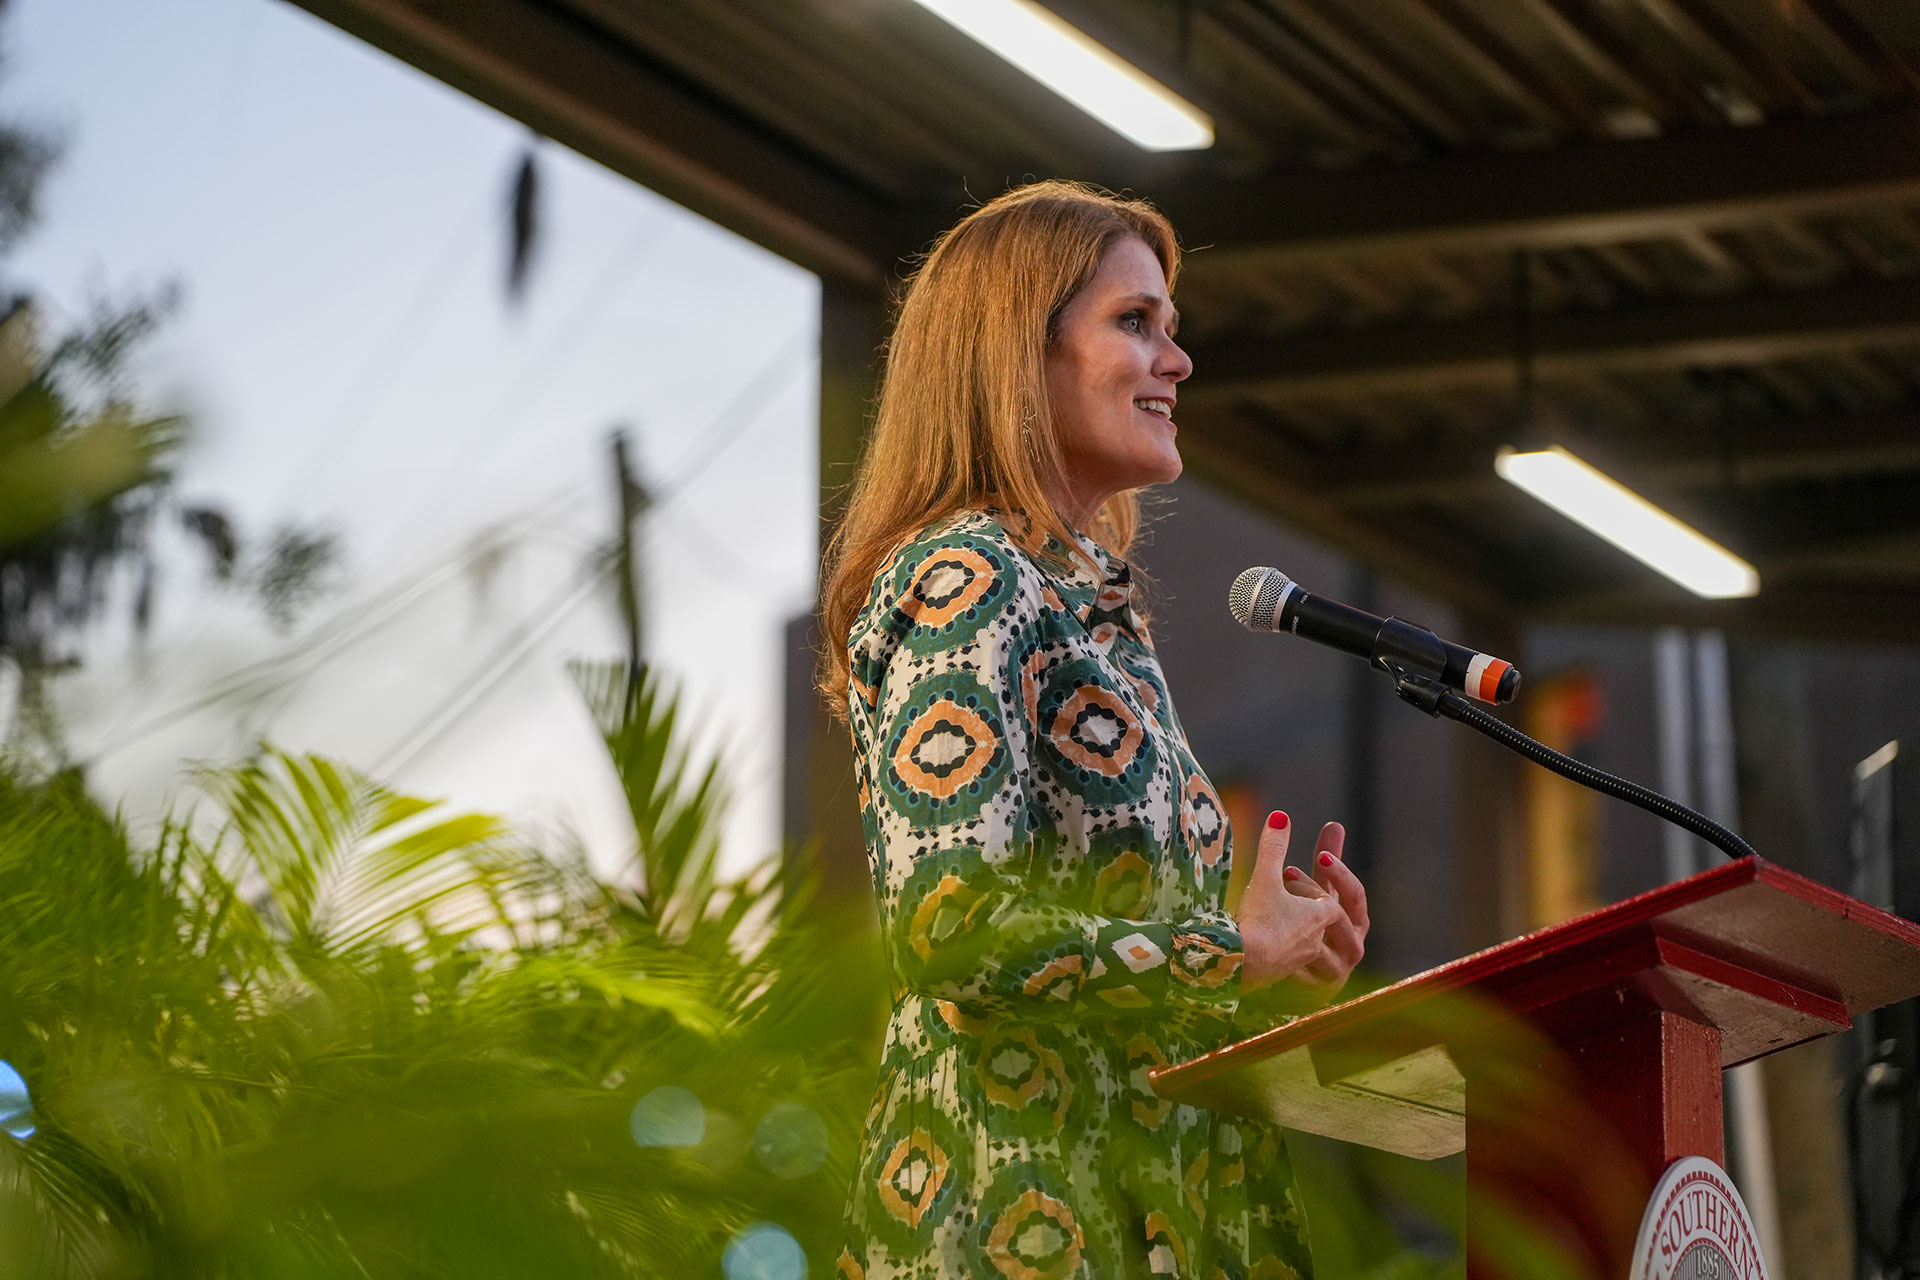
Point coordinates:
pixel 1255 598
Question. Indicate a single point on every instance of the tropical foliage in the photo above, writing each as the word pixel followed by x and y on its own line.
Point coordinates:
pixel 312 1027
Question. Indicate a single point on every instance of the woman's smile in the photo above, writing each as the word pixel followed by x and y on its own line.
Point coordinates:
pixel 1158 408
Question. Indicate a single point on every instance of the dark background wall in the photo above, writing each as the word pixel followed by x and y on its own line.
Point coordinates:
pixel 1621 661
pixel 1806 715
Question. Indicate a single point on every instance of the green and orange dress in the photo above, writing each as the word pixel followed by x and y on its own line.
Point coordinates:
pixel 1051 865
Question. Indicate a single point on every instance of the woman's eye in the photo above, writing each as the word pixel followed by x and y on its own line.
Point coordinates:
pixel 1133 321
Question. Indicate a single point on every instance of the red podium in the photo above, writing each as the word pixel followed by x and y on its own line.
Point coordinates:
pixel 1574 1064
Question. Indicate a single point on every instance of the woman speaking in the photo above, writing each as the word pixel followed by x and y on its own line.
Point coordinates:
pixel 1051 862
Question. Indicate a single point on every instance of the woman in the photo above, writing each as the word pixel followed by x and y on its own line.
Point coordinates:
pixel 1051 863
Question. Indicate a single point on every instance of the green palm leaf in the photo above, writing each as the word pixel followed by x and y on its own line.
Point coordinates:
pixel 317 1028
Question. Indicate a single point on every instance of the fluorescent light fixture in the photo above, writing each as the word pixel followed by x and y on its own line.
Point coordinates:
pixel 1627 520
pixel 1084 72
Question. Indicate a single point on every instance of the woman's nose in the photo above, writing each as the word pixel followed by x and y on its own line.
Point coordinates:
pixel 1174 363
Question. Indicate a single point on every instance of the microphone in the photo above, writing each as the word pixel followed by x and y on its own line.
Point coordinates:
pixel 1268 600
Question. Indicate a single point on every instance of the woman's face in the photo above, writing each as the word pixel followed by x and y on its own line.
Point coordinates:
pixel 1112 372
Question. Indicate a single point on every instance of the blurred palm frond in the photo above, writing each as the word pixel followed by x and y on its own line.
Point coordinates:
pixel 315 1027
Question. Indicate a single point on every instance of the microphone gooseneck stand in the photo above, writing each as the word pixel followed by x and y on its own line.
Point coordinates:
pixel 1434 698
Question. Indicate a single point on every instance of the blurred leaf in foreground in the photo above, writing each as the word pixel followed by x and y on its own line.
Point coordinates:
pixel 81 472
pixel 317 1028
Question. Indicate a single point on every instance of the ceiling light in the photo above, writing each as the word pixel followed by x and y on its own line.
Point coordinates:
pixel 1085 73
pixel 1627 520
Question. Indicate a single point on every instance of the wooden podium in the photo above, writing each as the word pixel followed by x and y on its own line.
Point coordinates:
pixel 1574 1064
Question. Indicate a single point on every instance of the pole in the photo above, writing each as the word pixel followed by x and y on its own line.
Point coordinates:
pixel 632 500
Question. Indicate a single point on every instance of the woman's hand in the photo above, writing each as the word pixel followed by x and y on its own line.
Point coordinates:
pixel 1283 931
pixel 1346 941
pixel 1286 920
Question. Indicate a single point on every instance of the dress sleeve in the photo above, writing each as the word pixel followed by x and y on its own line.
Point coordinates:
pixel 982 901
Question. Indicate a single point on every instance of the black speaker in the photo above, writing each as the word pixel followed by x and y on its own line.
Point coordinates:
pixel 1883 1085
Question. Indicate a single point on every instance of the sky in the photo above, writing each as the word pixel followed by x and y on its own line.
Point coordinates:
pixel 337 224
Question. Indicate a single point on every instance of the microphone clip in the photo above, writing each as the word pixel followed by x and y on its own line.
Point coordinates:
pixel 1416 688
pixel 1402 647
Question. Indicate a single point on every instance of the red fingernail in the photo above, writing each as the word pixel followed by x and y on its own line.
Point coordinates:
pixel 1277 820
pixel 1292 873
pixel 1326 859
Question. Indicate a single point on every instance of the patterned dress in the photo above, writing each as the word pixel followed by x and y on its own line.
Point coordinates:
pixel 1050 863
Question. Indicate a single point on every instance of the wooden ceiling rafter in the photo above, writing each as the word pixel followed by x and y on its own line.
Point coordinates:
pixel 1490 64
pixel 1321 81
pixel 725 48
pixel 1590 193
pixel 1866 45
pixel 1312 92
pixel 1678 19
pixel 1405 86
pixel 1616 61
pixel 1522 79
pixel 1815 25
pixel 1718 28
pixel 1710 331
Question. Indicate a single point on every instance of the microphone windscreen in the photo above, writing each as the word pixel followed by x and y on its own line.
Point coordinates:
pixel 1254 598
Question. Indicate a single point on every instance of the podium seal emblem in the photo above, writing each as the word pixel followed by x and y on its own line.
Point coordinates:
pixel 1697 1228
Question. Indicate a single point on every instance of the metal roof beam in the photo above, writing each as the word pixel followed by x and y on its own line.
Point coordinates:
pixel 1713 332
pixel 570 81
pixel 1737 455
pixel 1577 195
pixel 1889 615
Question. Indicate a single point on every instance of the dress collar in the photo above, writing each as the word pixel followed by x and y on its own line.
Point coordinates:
pixel 1096 585
pixel 1102 598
